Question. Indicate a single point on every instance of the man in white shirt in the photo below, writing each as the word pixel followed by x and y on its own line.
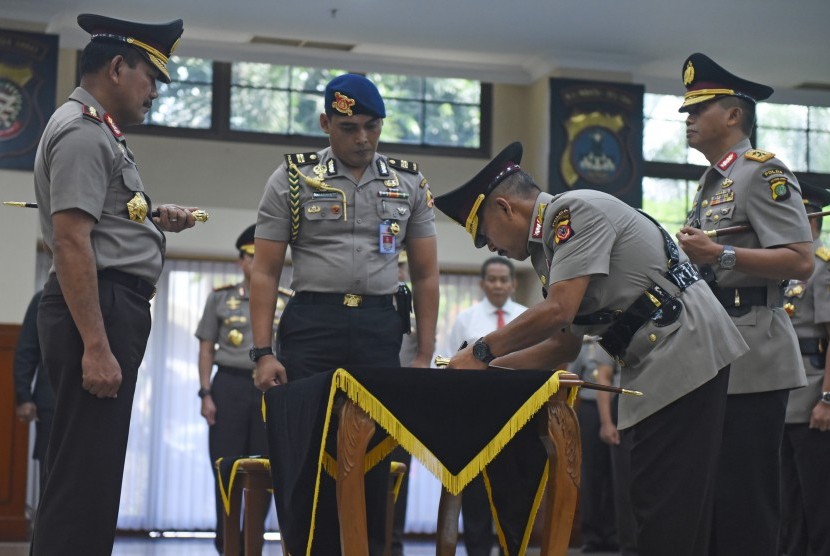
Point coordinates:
pixel 498 282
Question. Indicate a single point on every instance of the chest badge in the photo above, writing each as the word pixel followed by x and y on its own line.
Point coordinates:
pixel 233 303
pixel 235 337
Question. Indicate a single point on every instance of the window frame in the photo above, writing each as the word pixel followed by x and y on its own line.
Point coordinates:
pixel 220 130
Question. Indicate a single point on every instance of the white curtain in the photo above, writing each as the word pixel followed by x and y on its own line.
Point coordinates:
pixel 168 484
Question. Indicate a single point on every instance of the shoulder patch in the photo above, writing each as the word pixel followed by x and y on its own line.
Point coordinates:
pixel 225 287
pixel 772 172
pixel 823 253
pixel 562 227
pixel 91 113
pixel 780 189
pixel 758 155
pixel 302 159
pixel 405 165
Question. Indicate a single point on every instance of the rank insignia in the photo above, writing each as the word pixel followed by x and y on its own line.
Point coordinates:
pixel 562 227
pixel 423 183
pixel 795 289
pixel 91 113
pixel 723 197
pixel 235 337
pixel 789 308
pixel 405 165
pixel 313 209
pixel 233 303
pixel 758 155
pixel 727 160
pixel 113 126
pixel 780 189
pixel 430 198
pixel 137 208
pixel 343 104
pixel 331 167
pixel 301 159
pixel 772 172
pixel 383 169
pixel 726 183
pixel 537 223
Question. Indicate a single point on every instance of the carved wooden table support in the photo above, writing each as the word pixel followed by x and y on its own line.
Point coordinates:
pixel 354 432
pixel 449 508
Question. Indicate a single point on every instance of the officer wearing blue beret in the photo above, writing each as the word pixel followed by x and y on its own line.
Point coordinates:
pixel 347 212
pixel 746 185
pixel 94 316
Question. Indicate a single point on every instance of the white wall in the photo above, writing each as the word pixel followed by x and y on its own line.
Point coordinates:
pixel 19 230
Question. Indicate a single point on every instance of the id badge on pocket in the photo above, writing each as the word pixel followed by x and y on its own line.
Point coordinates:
pixel 386 239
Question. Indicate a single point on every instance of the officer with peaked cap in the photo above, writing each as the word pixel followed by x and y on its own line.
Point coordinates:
pixel 231 404
pixel 94 316
pixel 805 453
pixel 746 185
pixel 609 270
pixel 347 212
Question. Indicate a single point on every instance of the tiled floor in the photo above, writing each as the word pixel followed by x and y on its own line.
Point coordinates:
pixel 204 547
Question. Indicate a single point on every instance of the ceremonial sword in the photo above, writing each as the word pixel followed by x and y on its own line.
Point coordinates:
pixel 198 215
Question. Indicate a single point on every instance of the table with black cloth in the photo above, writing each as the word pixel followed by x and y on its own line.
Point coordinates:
pixel 457 423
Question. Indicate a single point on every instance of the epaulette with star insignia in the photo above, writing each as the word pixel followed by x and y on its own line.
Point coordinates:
pixel 758 155
pixel 823 253
pixel 405 165
pixel 225 287
pixel 302 159
pixel 91 112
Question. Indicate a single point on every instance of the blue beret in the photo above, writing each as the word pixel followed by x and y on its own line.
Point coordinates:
pixel 350 93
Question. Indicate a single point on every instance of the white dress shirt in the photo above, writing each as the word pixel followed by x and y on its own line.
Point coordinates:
pixel 479 320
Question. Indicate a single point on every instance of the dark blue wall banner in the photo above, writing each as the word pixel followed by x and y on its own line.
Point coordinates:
pixel 596 138
pixel 28 81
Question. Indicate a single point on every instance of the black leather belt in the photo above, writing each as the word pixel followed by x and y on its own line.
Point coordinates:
pixel 812 346
pixel 740 297
pixel 236 371
pixel 129 281
pixel 346 299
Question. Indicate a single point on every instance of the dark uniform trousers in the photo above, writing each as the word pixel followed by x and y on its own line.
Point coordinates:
pixel 78 509
pixel 749 491
pixel 317 333
pixel 674 513
pixel 805 460
pixel 238 408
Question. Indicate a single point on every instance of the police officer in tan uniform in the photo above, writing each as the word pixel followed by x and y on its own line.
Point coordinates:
pixel 609 270
pixel 746 185
pixel 347 212
pixel 231 404
pixel 805 453
pixel 94 316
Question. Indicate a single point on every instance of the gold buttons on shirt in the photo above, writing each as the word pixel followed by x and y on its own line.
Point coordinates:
pixel 652 338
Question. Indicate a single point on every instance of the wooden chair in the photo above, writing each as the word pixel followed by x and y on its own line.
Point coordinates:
pixel 559 433
pixel 252 483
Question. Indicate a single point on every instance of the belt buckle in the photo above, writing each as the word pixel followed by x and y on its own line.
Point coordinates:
pixel 352 300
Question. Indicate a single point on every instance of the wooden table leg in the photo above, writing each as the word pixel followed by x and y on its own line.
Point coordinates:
pixel 560 435
pixel 255 494
pixel 449 508
pixel 353 435
pixel 231 523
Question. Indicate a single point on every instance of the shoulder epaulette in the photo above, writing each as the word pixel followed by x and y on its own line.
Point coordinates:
pixel 225 287
pixel 288 292
pixel 91 112
pixel 758 155
pixel 302 159
pixel 823 253
pixel 405 165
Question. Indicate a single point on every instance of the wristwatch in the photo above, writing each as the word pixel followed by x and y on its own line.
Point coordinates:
pixel 204 392
pixel 727 258
pixel 256 353
pixel 825 397
pixel 481 351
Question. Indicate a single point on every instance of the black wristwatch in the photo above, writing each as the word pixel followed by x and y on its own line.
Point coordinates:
pixel 825 397
pixel 203 392
pixel 256 353
pixel 481 351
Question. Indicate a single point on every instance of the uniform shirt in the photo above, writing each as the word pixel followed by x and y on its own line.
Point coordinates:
pixel 336 252
pixel 623 252
pixel 82 163
pixel 479 320
pixel 590 357
pixel 810 313
pixel 739 190
pixel 226 322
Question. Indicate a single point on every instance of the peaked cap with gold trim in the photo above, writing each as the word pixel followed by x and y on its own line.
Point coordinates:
pixel 350 94
pixel 245 243
pixel 463 204
pixel 155 41
pixel 704 80
pixel 814 197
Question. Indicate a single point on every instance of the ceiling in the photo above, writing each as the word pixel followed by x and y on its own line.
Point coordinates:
pixel 783 44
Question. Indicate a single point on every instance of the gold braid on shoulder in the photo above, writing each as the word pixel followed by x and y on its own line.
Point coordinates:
pixel 294 197
pixel 319 185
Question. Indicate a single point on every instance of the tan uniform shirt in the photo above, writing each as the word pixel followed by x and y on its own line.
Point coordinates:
pixel 590 357
pixel 83 163
pixel 810 312
pixel 739 190
pixel 623 252
pixel 337 250
pixel 226 321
